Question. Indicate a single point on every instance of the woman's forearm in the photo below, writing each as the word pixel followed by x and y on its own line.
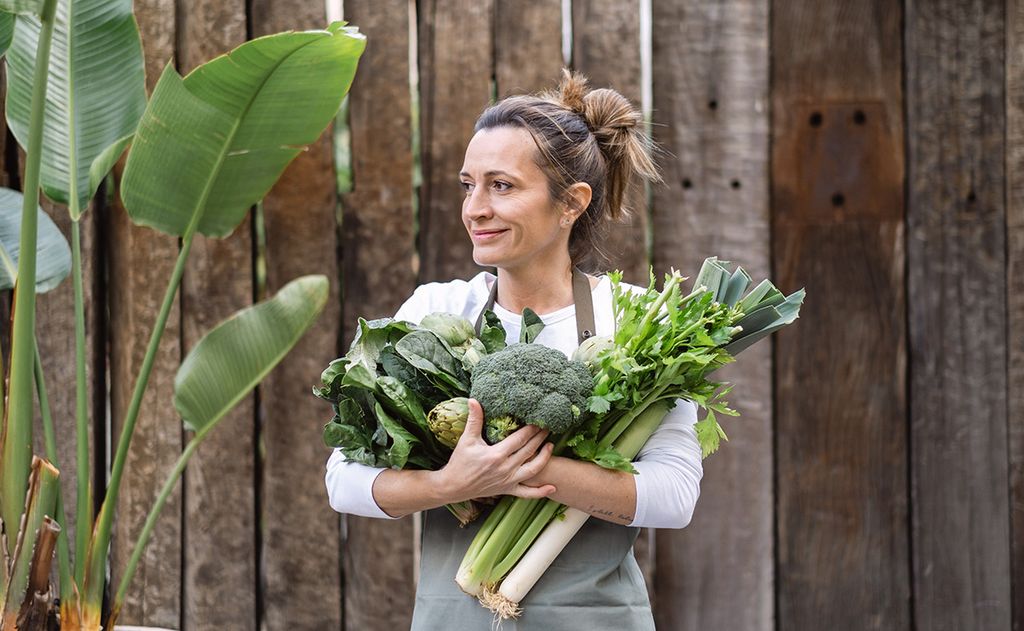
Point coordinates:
pixel 401 492
pixel 603 493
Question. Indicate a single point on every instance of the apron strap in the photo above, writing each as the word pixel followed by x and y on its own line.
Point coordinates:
pixel 581 296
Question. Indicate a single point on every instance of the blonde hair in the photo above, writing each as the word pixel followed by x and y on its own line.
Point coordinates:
pixel 583 135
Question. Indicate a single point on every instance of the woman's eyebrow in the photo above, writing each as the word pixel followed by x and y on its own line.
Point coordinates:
pixel 490 174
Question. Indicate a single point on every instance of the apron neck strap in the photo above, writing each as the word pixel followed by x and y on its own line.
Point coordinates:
pixel 581 296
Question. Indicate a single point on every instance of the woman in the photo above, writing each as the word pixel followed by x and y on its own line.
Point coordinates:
pixel 543 175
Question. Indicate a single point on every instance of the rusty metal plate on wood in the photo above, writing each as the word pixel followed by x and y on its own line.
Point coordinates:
pixel 836 162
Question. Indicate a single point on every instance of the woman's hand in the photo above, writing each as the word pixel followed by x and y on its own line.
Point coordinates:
pixel 476 469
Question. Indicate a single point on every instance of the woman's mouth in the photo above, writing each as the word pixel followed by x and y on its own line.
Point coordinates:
pixel 483 236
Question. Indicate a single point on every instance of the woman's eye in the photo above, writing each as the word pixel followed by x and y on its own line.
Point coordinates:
pixel 467 187
pixel 502 186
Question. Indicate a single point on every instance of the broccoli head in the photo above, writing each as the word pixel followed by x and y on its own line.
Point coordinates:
pixel 530 384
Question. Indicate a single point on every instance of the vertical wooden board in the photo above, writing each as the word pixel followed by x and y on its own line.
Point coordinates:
pixel 455 68
pixel 300 547
pixel 956 222
pixel 139 264
pixel 219 526
pixel 837 210
pixel 1015 292
pixel 610 57
pixel 527 46
pixel 710 73
pixel 378 254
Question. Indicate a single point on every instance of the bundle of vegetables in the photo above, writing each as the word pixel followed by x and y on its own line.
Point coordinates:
pixel 665 346
pixel 400 393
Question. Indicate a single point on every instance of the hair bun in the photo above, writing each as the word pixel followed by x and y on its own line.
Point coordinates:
pixel 572 91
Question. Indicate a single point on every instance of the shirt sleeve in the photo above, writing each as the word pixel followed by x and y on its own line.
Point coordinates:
pixel 350 487
pixel 350 484
pixel 669 471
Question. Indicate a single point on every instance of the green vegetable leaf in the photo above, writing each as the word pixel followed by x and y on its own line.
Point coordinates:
pixel 402 440
pixel 607 457
pixel 532 326
pixel 709 434
pixel 492 333
pixel 429 353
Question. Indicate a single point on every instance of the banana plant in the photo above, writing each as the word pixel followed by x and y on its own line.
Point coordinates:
pixel 226 132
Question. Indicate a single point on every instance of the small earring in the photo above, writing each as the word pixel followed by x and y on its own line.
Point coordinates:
pixel 565 223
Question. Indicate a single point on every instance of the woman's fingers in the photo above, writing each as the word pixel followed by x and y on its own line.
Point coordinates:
pixel 536 464
pixel 515 441
pixel 530 448
pixel 474 423
pixel 533 492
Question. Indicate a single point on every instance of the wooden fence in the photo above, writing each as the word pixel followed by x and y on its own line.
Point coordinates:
pixel 870 151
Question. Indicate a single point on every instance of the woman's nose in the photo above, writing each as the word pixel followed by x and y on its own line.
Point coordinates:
pixel 477 204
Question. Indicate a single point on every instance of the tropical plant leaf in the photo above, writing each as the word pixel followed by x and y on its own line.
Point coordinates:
pixel 53 256
pixel 228 129
pixel 21 6
pixel 6 31
pixel 97 92
pixel 232 358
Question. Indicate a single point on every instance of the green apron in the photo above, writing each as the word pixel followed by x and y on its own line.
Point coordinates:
pixel 593 585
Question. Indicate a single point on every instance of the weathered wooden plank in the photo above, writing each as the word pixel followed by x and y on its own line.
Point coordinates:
pixel 614 62
pixel 378 274
pixel 710 75
pixel 219 570
pixel 455 64
pixel 139 264
pixel 1015 292
pixel 837 212
pixel 527 46
pixel 299 216
pixel 956 221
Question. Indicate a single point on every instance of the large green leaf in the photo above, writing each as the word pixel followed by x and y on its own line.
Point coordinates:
pixel 96 94
pixel 212 144
pixel 21 6
pixel 232 358
pixel 6 31
pixel 53 255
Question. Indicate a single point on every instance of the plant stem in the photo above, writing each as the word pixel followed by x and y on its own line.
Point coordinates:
pixel 83 519
pixel 154 513
pixel 17 448
pixel 97 558
pixel 63 552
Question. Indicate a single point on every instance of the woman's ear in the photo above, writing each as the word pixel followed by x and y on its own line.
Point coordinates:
pixel 577 199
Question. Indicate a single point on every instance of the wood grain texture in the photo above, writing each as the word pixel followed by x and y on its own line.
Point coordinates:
pixel 301 238
pixel 837 211
pixel 1015 293
pixel 139 264
pixel 219 529
pixel 710 73
pixel 455 67
pixel 613 61
pixel 378 254
pixel 956 221
pixel 527 46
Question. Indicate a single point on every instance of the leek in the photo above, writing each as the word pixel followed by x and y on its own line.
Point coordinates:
pixel 665 347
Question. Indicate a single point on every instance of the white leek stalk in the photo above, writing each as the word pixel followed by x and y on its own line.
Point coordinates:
pixel 536 561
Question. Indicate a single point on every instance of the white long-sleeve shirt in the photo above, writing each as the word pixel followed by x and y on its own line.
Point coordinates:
pixel 669 466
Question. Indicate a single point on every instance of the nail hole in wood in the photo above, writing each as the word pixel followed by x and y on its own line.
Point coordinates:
pixel 859 117
pixel 838 199
pixel 815 119
pixel 687 183
pixel 713 104
pixel 971 197
pixel 735 184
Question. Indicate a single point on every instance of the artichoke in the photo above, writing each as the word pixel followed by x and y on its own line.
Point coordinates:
pixel 447 420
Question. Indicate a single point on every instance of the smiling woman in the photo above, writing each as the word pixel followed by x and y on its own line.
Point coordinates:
pixel 543 177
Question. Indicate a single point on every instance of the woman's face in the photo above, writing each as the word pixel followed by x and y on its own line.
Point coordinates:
pixel 508 211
